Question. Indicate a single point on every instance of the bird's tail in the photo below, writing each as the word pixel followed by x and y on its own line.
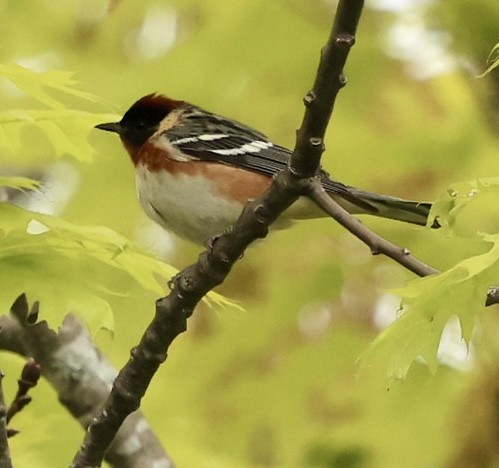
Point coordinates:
pixel 385 206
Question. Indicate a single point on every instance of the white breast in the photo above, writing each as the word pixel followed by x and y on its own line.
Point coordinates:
pixel 185 204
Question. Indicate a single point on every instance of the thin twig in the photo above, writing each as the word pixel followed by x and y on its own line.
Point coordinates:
pixel 376 243
pixel 5 461
pixel 213 266
pixel 29 378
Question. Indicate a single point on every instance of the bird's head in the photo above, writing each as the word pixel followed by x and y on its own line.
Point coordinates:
pixel 141 121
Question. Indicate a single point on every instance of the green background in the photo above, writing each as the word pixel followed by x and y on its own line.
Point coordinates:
pixel 277 384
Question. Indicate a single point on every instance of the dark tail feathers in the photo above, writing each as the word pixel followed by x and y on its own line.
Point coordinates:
pixel 386 206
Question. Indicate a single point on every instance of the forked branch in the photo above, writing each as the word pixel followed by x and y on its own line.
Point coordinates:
pixel 190 285
pixel 376 243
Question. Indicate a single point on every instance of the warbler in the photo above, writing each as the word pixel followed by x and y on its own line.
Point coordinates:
pixel 195 171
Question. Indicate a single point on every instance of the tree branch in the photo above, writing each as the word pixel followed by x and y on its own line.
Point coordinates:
pixel 29 378
pixel 319 102
pixel 376 243
pixel 82 378
pixel 5 461
pixel 189 286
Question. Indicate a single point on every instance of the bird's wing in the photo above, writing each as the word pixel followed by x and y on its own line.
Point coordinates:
pixel 209 137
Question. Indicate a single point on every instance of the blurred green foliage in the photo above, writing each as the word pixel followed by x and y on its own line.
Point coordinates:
pixel 278 384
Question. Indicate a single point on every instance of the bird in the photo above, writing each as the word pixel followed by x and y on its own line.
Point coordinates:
pixel 195 170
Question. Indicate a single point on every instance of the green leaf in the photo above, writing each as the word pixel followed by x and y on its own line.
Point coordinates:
pixel 429 303
pixel 466 213
pixel 19 182
pixel 34 83
pixel 451 208
pixel 492 67
pixel 494 63
pixel 73 268
pixel 66 129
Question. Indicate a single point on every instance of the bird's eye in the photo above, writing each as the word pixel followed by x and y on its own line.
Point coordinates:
pixel 141 125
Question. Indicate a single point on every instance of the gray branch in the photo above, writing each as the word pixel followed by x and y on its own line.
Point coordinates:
pixel 82 378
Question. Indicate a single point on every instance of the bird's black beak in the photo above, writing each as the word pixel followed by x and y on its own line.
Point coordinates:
pixel 114 127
